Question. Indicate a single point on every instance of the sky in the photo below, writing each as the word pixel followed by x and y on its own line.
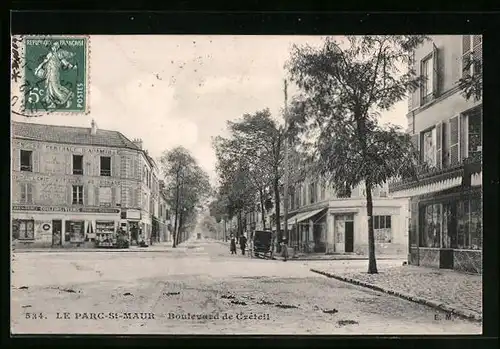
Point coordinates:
pixel 181 90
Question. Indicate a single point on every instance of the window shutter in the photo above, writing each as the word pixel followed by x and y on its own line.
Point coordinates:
pixel 439 145
pixel 415 140
pixel 29 193
pixel 70 194
pixel 466 47
pixel 463 136
pixel 417 99
pixel 16 160
pixel 113 196
pixel 36 161
pixel 23 192
pixel 454 141
pixel 115 166
pixel 476 40
pixel 96 196
pixel 435 71
pixel 69 163
pixel 85 195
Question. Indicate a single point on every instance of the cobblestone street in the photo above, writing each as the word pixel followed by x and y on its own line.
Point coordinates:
pixel 155 293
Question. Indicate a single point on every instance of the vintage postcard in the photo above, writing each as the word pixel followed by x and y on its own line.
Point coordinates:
pixel 189 184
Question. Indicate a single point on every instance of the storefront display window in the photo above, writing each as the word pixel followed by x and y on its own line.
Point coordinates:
pixel 105 233
pixel 23 229
pixel 74 231
pixel 469 219
pixel 431 225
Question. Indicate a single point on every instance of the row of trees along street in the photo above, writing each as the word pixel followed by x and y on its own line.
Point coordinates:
pixel 250 165
pixel 186 188
pixel 333 127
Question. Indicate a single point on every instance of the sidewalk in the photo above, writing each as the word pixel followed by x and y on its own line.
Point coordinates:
pixel 158 247
pixel 454 292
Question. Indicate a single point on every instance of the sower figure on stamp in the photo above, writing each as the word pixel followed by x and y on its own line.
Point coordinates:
pixel 50 70
pixel 233 244
pixel 243 244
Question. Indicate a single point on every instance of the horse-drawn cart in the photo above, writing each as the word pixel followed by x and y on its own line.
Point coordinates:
pixel 262 244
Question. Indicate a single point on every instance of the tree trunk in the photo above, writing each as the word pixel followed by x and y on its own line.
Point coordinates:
pixel 180 232
pixel 262 209
pixel 372 261
pixel 174 240
pixel 277 211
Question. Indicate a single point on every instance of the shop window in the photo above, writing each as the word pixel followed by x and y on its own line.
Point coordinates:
pixel 77 164
pixel 431 216
pixel 469 221
pixel 74 231
pixel 78 195
pixel 382 227
pixel 105 166
pixel 26 193
pixel 25 229
pixel 27 160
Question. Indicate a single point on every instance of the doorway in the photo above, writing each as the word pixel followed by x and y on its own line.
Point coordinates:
pixel 56 233
pixel 349 236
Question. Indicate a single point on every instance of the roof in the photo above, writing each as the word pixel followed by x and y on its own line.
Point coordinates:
pixel 70 135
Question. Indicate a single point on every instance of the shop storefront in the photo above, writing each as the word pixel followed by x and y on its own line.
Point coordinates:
pixel 449 230
pixel 53 226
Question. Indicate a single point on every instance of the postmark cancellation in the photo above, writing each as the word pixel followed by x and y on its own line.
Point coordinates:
pixel 50 74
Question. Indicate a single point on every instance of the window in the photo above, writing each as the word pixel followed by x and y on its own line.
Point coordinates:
pixel 323 191
pixel 26 160
pixel 474 134
pixel 77 164
pixel 291 200
pixel 26 193
pixel 469 220
pixel 105 166
pixel 78 195
pixel 382 228
pixel 105 196
pixel 429 147
pixel 472 49
pixel 431 216
pixel 25 229
pixel 427 74
pixel 297 197
pixel 74 231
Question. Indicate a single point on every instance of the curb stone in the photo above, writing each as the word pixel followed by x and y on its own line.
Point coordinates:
pixel 468 315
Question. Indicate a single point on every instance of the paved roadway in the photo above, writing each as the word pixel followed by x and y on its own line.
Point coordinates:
pixel 154 292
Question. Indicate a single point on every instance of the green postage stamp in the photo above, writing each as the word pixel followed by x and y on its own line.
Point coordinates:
pixel 56 74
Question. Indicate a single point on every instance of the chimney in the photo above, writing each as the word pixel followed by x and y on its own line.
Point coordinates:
pixel 93 128
pixel 138 142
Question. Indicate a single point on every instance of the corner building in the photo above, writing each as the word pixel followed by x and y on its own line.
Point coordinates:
pixel 72 186
pixel 446 227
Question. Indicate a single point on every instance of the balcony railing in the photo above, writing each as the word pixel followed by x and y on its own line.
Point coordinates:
pixel 28 168
pixel 78 171
pixel 105 172
pixel 425 173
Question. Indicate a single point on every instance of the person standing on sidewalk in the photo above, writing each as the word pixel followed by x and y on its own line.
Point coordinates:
pixel 243 244
pixel 232 244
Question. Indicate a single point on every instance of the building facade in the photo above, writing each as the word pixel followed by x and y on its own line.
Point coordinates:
pixel 74 186
pixel 321 220
pixel 446 128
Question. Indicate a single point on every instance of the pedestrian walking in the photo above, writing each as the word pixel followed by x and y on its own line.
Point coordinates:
pixel 284 249
pixel 232 244
pixel 243 244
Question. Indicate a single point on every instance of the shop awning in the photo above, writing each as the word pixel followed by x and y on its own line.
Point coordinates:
pixel 304 215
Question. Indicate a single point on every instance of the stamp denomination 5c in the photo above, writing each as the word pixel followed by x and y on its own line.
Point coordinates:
pixel 56 74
